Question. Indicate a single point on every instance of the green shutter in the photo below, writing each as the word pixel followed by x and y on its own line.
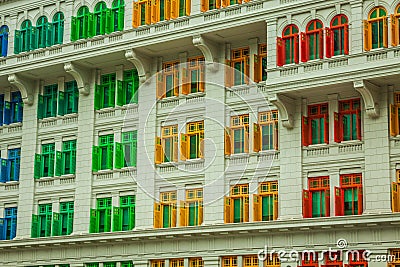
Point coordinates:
pixel 70 223
pixel 92 25
pixel 120 94
pixel 38 165
pixel 17 42
pixel 73 161
pixel 51 164
pixel 54 106
pixel 111 95
pixel 109 157
pixel 121 18
pixel 61 103
pixel 96 158
pixel 98 96
pixel 56 224
pixel 134 153
pixel 35 226
pixel 59 163
pixel 86 24
pixel 117 222
pixel 94 226
pixel 40 110
pixel 135 87
pixel 76 101
pixel 107 220
pixel 48 224
pixel 74 29
pixel 109 21
pixel 119 156
pixel 131 217
pixel 50 34
pixel 31 41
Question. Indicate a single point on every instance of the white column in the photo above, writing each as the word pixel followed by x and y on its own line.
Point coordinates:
pixel 356 28
pixel 271 43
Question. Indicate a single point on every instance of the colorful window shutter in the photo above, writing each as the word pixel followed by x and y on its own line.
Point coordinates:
pixel 117 219
pixel 158 151
pixel 394 30
pixel 296 49
pixel 38 163
pixel 203 5
pixel 337 124
pixel 257 138
pixel 228 74
pixel 228 145
pixel 227 210
pixel 59 163
pixel 136 15
pixel 56 228
pixel 321 43
pixel 120 94
pixel 188 6
pixel 175 8
pixel 96 158
pixel 184 147
pixel 280 52
pixel 119 156
pixel 161 92
pixel 360 200
pixel 395 197
pixel 304 48
pixel 394 127
pixel 157 215
pixel 61 102
pixel 358 125
pixel 94 226
pixel 385 32
pixel 328 42
pixel 4 170
pixel 346 39
pixel 305 131
pixel 339 204
pixel 257 208
pixel 35 226
pixel 307 204
pixel 367 36
pixel 326 129
pixel 256 68
pixel 185 81
pixel 17 42
pixel 4 44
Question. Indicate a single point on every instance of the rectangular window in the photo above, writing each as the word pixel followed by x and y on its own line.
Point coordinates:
pixel 348 121
pixel 266 131
pixel 250 261
pixel 309 259
pixel 105 92
pixel 158 263
pixel 239 134
pixel 100 218
pixel 44 163
pixel 93 264
pixel 230 261
pixel 260 64
pixel 349 196
pixel 237 204
pixel 47 103
pixel 66 159
pixel 141 13
pixel 165 211
pixel 394 117
pixel 127 90
pixel 129 148
pixel 176 263
pixel 167 145
pixel 124 215
pixel 168 80
pixel 192 145
pixel 68 100
pixel 8 224
pixel 13 167
pixel 316 125
pixel 196 262
pixel 103 154
pixel 272 261
pixel 193 76
pixel 265 203
pixel 16 107
pixel 126 264
pixel 63 222
pixel 191 210
pixel 316 200
pixel 395 193
pixel 43 221
pixel 240 68
pixel 109 264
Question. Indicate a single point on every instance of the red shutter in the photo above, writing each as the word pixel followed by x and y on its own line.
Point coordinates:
pixel 328 42
pixel 339 205
pixel 337 127
pixel 296 49
pixel 327 203
pixel 360 200
pixel 305 131
pixel 307 208
pixel 326 129
pixel 358 124
pixel 346 39
pixel 279 51
pixel 321 43
pixel 303 45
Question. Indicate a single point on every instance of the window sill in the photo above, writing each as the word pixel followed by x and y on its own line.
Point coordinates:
pixel 131 168
pixel 268 152
pixel 350 142
pixel 314 146
pixel 192 95
pixel 129 106
pixel 238 156
pixel 105 110
pixel 169 99
pixel 11 182
pixel 167 164
pixel 104 172
pixel 193 161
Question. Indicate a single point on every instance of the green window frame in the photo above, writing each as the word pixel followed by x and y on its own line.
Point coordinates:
pixel 45 218
pixel 93 264
pixel 118 10
pixel 66 159
pixel 105 92
pixel 124 215
pixel 23 39
pixel 109 264
pixel 47 103
pixel 128 156
pixel 41 32
pixel 68 100
pixel 127 90
pixel 63 222
pixel 106 145
pixel 80 25
pixel 102 19
pixel 44 163
pixel 57 29
pixel 100 218
pixel 126 264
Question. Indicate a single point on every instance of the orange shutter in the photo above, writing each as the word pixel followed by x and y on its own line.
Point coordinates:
pixel 276 136
pixel 256 208
pixel 173 217
pixel 246 69
pixel 203 5
pixel 307 208
pixel 201 152
pixel 228 148
pixel 202 79
pixel 185 82
pixel 160 87
pixel 385 32
pixel 245 209
pixel 184 146
pixel 168 8
pixel 175 155
pixel 394 30
pixel 393 118
pixel 200 212
pixel 367 39
pixel 246 139
pixel 218 3
pixel 395 197
pixel 176 81
pixel 257 138
pixel 136 15
pixel 182 214
pixel 154 10
pixel 148 12
pixel 256 74
pixel 276 209
pixel 228 73
pixel 188 6
pixel 305 131
pixel 227 210
pixel 159 151
pixel 225 3
pixel 157 215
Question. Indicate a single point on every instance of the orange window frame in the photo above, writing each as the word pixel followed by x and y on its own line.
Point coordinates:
pixel 229 261
pixel 237 123
pixel 264 119
pixel 368 28
pixel 273 261
pixel 250 261
pixel 170 132
pixel 317 111
pixel 259 71
pixel 168 69
pixel 395 26
pixel 176 263
pixel 394 117
pixel 265 189
pixel 195 65
pixel 348 181
pixel 196 262
pixel 158 263
pixel 241 56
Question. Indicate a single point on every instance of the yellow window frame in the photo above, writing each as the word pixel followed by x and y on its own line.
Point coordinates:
pixel 194 194
pixel 240 190
pixel 196 262
pixel 229 261
pixel 176 263
pixel 193 129
pixel 250 261
pixel 266 188
pixel 241 55
pixel 158 263
pixel 273 261
pixel 194 64
pixel 168 197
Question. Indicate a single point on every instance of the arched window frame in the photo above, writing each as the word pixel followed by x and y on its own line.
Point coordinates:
pixel 102 19
pixel 371 41
pixel 288 46
pixel 80 24
pixel 395 26
pixel 23 38
pixel 4 40
pixel 118 10
pixel 41 32
pixel 57 32
pixel 337 36
pixel 312 39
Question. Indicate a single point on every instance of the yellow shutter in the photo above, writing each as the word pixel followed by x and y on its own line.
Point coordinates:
pixel 176 82
pixel 367 38
pixel 204 5
pixel 246 69
pixel 218 3
pixel 257 138
pixel 159 151
pixel 245 209
pixel 385 32
pixel 228 146
pixel 148 12
pixel 200 213
pixel 227 210
pixel 182 214
pixel 160 87
pixel 157 215
pixel 393 29
pixel 228 73
pixel 188 6
pixel 168 9
pixel 276 136
pixel 225 3
pixel 185 81
pixel 393 118
pixel 256 208
pixel 175 8
pixel 395 197
pixel 175 154
pixel 246 140
pixel 201 152
pixel 202 79
pixel 184 146
pixel 257 72
pixel 173 215
pixel 276 207
pixel 136 15
pixel 155 11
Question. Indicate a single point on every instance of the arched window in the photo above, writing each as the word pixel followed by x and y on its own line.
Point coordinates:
pixel 337 37
pixel 118 15
pixel 312 42
pixel 395 26
pixel 376 29
pixel 3 40
pixel 288 46
pixel 58 28
pixel 100 19
pixel 41 32
pixel 22 40
pixel 80 24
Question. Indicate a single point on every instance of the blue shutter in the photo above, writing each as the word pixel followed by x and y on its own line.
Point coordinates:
pixel 4 44
pixel 4 170
pixel 7 112
pixel 1 109
pixel 2 229
pixel 17 167
pixel 13 228
pixel 20 112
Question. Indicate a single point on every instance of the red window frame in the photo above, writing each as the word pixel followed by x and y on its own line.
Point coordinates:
pixel 330 35
pixel 357 262
pixel 354 180
pixel 318 33
pixel 307 125
pixel 316 184
pixel 337 262
pixel 355 108
pixel 308 261
pixel 293 39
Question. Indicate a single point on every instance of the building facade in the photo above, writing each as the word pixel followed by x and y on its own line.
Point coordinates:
pixel 187 133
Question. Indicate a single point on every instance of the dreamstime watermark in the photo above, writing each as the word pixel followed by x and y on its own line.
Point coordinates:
pixel 340 253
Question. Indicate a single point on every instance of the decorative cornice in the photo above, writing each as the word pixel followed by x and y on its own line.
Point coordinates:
pixel 81 75
pixel 210 51
pixel 285 107
pixel 370 95
pixel 142 64
pixel 25 86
